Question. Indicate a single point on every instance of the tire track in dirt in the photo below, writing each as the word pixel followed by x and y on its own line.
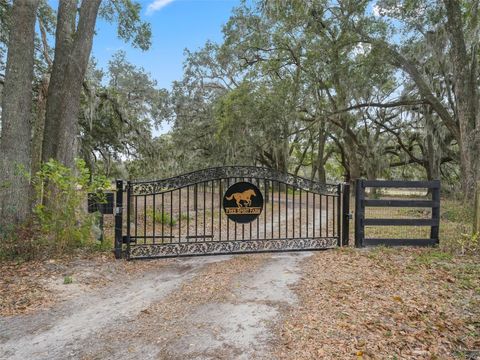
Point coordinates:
pixel 226 311
pixel 62 332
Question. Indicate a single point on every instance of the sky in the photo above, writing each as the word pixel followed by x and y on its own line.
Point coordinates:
pixel 176 25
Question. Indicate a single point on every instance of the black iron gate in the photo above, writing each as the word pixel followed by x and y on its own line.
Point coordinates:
pixel 228 210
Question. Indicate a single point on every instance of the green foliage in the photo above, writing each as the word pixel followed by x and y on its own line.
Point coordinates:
pixel 67 280
pixel 126 14
pixel 186 216
pixel 457 212
pixel 467 243
pixel 432 256
pixel 118 117
pixel 62 221
pixel 161 217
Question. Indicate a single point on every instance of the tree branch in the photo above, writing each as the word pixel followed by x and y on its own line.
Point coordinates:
pixel 382 105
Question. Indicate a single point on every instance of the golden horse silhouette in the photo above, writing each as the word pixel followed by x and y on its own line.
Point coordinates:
pixel 243 196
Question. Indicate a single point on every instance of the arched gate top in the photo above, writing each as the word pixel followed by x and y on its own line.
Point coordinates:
pixel 217 173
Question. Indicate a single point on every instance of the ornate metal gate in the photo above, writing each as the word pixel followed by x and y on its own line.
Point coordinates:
pixel 227 210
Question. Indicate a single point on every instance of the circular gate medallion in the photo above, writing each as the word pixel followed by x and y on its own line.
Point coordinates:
pixel 243 202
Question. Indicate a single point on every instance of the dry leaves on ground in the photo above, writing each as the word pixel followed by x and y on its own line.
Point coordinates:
pixel 28 286
pixel 383 304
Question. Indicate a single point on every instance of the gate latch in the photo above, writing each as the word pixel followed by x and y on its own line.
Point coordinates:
pixel 349 216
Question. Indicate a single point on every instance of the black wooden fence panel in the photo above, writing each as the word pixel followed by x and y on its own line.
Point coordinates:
pixel 361 203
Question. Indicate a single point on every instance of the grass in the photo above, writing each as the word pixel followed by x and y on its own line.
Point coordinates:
pixel 67 280
pixel 161 217
pixel 433 256
pixel 185 217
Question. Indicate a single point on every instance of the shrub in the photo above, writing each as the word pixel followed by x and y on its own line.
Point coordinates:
pixel 61 219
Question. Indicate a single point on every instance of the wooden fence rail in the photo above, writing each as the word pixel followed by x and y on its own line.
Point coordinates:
pixel 361 203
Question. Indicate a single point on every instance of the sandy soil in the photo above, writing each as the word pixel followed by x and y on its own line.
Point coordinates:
pixel 332 304
pixel 160 314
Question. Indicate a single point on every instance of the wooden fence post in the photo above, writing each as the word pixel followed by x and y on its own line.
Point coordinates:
pixel 359 213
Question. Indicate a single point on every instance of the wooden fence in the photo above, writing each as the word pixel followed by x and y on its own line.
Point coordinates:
pixel 362 219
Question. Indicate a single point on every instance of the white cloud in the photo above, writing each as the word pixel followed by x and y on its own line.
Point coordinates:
pixel 157 5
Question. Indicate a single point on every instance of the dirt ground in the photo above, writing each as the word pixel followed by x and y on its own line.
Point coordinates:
pixel 332 304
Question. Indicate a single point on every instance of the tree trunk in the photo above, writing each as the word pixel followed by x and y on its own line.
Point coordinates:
pixel 72 52
pixel 465 82
pixel 16 116
pixel 39 125
pixel 476 217
pixel 434 152
pixel 320 167
pixel 465 127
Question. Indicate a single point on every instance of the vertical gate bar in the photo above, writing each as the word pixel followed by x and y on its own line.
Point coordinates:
pixel 300 227
pixel 346 214
pixel 271 225
pixel 235 224
pixel 265 190
pixel 220 210
pixel 162 218
pixel 171 217
pixel 195 197
pixel 339 210
pixel 195 194
pixel 204 210
pixel 321 214
pixel 435 211
pixel 145 218
pixel 129 197
pixel 258 219
pixel 243 225
pixel 119 219
pixel 286 211
pixel 188 213
pixel 227 220
pixel 326 219
pixel 314 214
pixel 179 215
pixel 212 209
pixel 333 215
pixel 153 218
pixel 293 213
pixel 308 223
pixel 279 226
pixel 136 200
pixel 250 224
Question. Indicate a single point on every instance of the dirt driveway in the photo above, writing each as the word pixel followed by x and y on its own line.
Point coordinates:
pixel 191 308
pixel 333 304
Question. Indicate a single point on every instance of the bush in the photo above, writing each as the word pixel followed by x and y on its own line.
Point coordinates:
pixel 62 219
pixel 456 228
pixel 60 222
